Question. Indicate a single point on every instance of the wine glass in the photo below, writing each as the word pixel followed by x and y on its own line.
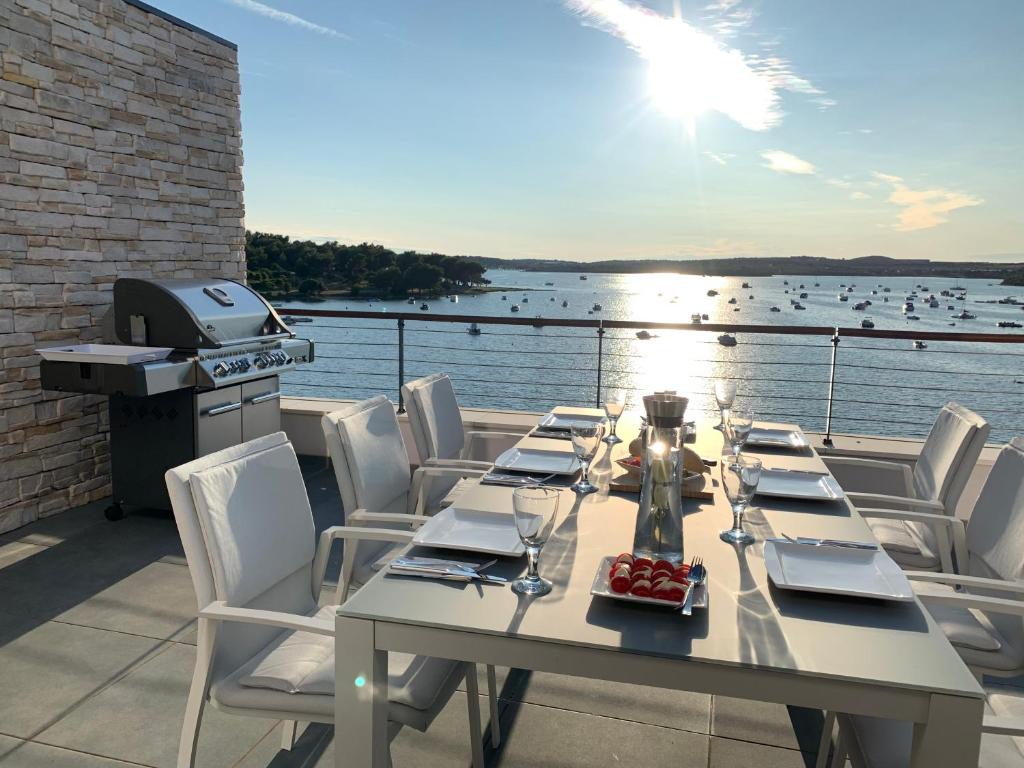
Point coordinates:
pixel 614 405
pixel 740 476
pixel 737 428
pixel 534 509
pixel 586 438
pixel 725 393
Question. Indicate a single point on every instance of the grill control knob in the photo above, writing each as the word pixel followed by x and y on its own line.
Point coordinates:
pixel 289 360
pixel 261 361
pixel 220 370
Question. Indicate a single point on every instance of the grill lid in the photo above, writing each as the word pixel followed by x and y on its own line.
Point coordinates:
pixel 193 313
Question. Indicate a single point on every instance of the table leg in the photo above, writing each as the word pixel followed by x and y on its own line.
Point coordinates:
pixel 952 735
pixel 360 697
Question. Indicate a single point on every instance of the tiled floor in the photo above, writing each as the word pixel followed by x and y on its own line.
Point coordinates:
pixel 97 648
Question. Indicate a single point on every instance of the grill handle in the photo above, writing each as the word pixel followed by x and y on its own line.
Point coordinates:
pixel 219 409
pixel 264 398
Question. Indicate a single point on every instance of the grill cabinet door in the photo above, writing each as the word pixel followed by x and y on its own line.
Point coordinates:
pixel 218 419
pixel 261 408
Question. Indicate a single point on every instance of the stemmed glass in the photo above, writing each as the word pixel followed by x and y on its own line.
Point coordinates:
pixel 585 440
pixel 725 393
pixel 740 476
pixel 614 405
pixel 534 510
pixel 737 428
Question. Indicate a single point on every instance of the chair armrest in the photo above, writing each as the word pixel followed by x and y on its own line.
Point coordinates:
pixel 422 481
pixel 458 463
pixel 362 516
pixel 1003 726
pixel 976 582
pixel 978 602
pixel 855 474
pixel 885 500
pixel 221 611
pixel 943 525
pixel 931 518
pixel 487 446
pixel 351 532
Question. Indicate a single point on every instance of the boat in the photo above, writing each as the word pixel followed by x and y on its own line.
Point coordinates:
pixel 583 277
pixel 867 322
pixel 1009 324
pixel 913 317
pixel 565 303
pixel 817 285
pixel 785 282
pixel 860 306
pixel 775 309
pixel 886 290
pixel 751 296
pixel 292 319
pixel 504 298
pixel 597 307
pixel 538 322
pixel 964 315
pixel 908 307
pixel 453 299
pixel 704 316
pixel 850 289
pixel 802 286
pixel 695 319
pixel 803 295
pixel 843 297
pixel 474 330
pixel 411 301
pixel 732 300
pixel 798 305
pixel 746 285
pixel 643 335
pixel 514 308
pixel 920 345
pixel 934 303
pixel 727 340
pixel 958 288
pixel 424 307
pixel 548 283
pixel 874 292
pixel 526 300
pixel 552 298
pixel 712 292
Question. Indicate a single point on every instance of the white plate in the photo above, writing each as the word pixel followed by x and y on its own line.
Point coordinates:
pixel 836 570
pixel 471 530
pixel 533 460
pixel 777 438
pixel 794 484
pixel 564 421
pixel 601 588
pixel 104 353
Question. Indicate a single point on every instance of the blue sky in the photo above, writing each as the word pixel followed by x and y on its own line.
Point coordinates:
pixel 594 129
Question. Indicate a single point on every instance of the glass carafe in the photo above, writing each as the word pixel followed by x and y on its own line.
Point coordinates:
pixel 659 520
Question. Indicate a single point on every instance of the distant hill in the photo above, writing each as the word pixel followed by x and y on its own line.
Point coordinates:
pixel 873 265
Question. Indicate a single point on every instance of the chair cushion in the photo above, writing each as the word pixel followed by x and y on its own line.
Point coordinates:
pixel 905 544
pixel 437 409
pixel 963 627
pixel 256 521
pixel 303 663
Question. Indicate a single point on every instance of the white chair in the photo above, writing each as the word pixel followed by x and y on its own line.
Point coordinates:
pixel 372 468
pixel 437 428
pixel 265 648
pixel 935 484
pixel 982 610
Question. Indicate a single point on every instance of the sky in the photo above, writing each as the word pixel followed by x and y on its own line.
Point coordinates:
pixel 600 129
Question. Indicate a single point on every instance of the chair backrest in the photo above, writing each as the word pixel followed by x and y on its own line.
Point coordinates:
pixel 949 455
pixel 369 457
pixel 434 417
pixel 248 534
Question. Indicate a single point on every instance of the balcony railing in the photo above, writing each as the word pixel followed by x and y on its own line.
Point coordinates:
pixel 853 380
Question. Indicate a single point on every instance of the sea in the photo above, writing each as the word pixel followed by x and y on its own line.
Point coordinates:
pixel 881 387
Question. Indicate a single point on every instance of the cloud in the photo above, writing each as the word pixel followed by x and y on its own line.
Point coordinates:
pixel 722 158
pixel 284 17
pixel 691 71
pixel 721 247
pixel 784 162
pixel 924 208
pixel 841 183
pixel 860 196
pixel 865 130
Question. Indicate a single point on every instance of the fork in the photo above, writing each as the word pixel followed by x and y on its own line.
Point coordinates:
pixel 696 566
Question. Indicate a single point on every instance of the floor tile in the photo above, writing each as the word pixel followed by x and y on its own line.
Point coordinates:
pixel 12 552
pixel 156 601
pixel 49 669
pixel 139 719
pixel 766 723
pixel 15 753
pixel 728 753
pixel 58 528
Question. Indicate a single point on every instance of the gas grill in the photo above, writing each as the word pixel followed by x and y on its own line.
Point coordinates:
pixel 217 388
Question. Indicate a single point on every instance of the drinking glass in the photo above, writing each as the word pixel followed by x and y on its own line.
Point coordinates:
pixel 737 428
pixel 740 476
pixel 585 440
pixel 725 393
pixel 614 405
pixel 534 510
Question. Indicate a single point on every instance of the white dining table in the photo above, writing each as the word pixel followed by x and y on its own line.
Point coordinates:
pixel 752 641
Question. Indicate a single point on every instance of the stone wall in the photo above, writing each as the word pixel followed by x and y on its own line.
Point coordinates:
pixel 120 155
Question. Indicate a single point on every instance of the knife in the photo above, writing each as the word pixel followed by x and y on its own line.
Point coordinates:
pixel 811 542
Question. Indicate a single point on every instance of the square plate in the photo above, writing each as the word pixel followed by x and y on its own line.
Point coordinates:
pixel 601 588
pixel 836 570
pixel 537 461
pixel 471 530
pixel 777 437
pixel 794 484
pixel 563 422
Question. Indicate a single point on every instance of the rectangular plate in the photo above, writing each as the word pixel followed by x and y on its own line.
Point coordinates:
pixel 537 462
pixel 471 530
pixel 836 570
pixel 773 437
pixel 799 485
pixel 563 422
pixel 111 354
pixel 601 588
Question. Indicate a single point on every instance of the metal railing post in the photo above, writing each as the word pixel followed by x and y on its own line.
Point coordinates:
pixel 600 357
pixel 401 364
pixel 831 389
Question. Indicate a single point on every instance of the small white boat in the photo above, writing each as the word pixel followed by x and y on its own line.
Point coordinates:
pixel 908 307
pixel 695 319
pixel 474 330
pixel 727 340
pixel 411 301
pixel 843 297
pixel 514 308
pixel 643 335
pixel 453 299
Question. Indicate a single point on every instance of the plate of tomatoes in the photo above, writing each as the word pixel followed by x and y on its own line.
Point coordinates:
pixel 647 582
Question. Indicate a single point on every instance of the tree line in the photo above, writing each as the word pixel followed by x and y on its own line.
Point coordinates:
pixel 279 266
